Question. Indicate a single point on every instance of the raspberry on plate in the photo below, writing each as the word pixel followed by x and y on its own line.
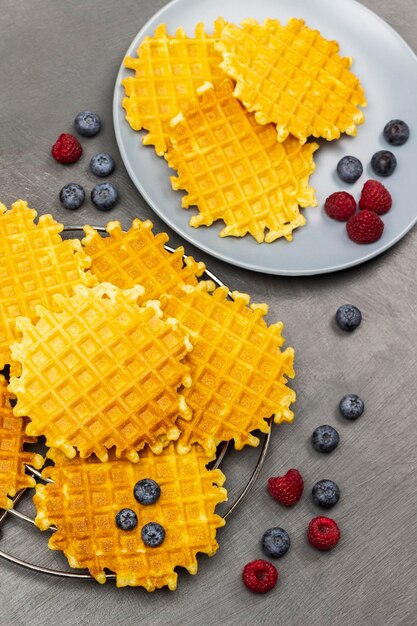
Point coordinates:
pixel 288 489
pixel 260 576
pixel 340 206
pixel 375 197
pixel 365 227
pixel 66 149
pixel 323 533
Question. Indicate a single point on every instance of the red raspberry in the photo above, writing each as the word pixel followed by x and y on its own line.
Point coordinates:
pixel 365 227
pixel 375 197
pixel 287 489
pixel 340 206
pixel 323 533
pixel 66 149
pixel 260 576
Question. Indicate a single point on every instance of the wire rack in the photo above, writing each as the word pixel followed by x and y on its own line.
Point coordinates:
pixel 15 514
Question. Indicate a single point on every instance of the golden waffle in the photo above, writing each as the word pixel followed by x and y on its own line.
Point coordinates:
pixel 138 257
pixel 238 371
pixel 101 372
pixel 168 70
pixel 292 76
pixel 12 454
pixel 35 263
pixel 86 495
pixel 235 170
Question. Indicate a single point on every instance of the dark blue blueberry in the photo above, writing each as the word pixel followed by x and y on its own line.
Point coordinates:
pixel 325 438
pixel 396 132
pixel 102 164
pixel 72 196
pixel 383 163
pixel 153 534
pixel 349 169
pixel 126 519
pixel 104 196
pixel 147 491
pixel 87 123
pixel 351 406
pixel 276 542
pixel 326 494
pixel 348 317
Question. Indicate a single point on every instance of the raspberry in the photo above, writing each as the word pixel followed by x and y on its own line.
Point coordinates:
pixel 375 197
pixel 340 206
pixel 323 533
pixel 260 576
pixel 288 489
pixel 66 149
pixel 365 227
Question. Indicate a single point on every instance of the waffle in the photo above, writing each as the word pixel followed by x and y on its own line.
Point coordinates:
pixel 292 76
pixel 101 372
pixel 237 368
pixel 168 70
pixel 12 454
pixel 35 263
pixel 235 170
pixel 138 257
pixel 86 495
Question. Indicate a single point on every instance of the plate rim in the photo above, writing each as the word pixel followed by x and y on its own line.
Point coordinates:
pixel 189 237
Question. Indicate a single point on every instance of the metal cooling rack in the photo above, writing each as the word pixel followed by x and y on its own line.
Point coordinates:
pixel 15 514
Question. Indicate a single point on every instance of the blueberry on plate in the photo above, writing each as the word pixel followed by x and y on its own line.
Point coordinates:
pixel 104 196
pixel 126 519
pixel 326 494
pixel 275 542
pixel 87 123
pixel 102 164
pixel 396 132
pixel 153 534
pixel 351 406
pixel 348 317
pixel 146 491
pixel 383 163
pixel 325 438
pixel 72 196
pixel 349 169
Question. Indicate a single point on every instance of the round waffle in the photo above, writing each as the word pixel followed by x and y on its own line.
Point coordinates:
pixel 86 495
pixel 101 372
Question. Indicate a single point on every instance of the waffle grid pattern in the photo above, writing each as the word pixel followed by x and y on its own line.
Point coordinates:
pixel 237 368
pixel 35 263
pixel 101 372
pixel 138 257
pixel 85 497
pixel 13 457
pixel 235 170
pixel 168 70
pixel 292 76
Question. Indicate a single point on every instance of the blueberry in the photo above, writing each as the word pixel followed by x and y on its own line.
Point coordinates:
pixel 276 542
pixel 349 169
pixel 325 438
pixel 147 491
pixel 104 196
pixel 396 132
pixel 351 406
pixel 153 534
pixel 102 164
pixel 126 519
pixel 72 196
pixel 87 123
pixel 326 494
pixel 348 317
pixel 383 163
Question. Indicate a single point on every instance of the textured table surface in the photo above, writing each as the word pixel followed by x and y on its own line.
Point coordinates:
pixel 57 58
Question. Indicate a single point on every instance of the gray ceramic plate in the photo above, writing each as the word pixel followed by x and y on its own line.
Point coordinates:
pixel 387 68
